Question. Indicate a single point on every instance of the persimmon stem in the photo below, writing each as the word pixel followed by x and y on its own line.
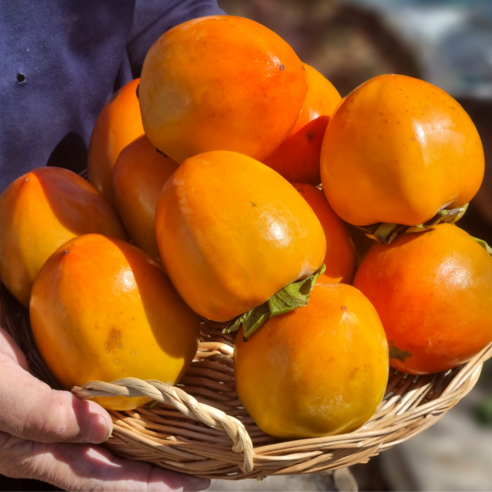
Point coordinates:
pixel 386 233
pixel 293 296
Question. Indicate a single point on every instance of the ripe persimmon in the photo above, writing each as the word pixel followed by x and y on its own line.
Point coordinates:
pixel 118 124
pixel 316 371
pixel 433 292
pixel 398 150
pixel 297 158
pixel 139 175
pixel 340 257
pixel 39 212
pixel 102 309
pixel 220 83
pixel 232 232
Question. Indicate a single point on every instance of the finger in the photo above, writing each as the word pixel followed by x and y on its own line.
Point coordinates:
pixel 31 410
pixel 9 349
pixel 87 467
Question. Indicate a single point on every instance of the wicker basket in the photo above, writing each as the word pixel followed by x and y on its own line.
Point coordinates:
pixel 201 428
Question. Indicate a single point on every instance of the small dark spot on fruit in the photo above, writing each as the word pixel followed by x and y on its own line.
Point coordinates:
pixel 282 67
pixel 310 136
pixel 344 308
pixel 21 79
pixel 66 251
pixel 253 203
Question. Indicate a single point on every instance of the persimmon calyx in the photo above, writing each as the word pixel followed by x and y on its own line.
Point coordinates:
pixel 484 245
pixel 386 233
pixel 292 296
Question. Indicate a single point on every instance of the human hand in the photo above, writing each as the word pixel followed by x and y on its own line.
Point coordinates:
pixel 51 435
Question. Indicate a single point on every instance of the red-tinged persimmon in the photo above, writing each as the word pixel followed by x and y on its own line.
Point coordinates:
pixel 433 292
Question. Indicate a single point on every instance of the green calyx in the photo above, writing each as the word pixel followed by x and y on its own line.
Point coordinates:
pixel 484 245
pixel 293 296
pixel 386 233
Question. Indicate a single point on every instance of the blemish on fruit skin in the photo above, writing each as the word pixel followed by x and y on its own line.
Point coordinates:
pixel 253 203
pixel 344 308
pixel 116 361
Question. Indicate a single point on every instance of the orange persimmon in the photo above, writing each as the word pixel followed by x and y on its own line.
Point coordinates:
pixel 139 175
pixel 102 309
pixel 232 232
pixel 340 257
pixel 40 211
pixel 316 371
pixel 297 158
pixel 118 124
pixel 433 292
pixel 399 150
pixel 220 83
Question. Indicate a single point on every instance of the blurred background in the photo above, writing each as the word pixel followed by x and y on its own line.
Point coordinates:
pixel 449 44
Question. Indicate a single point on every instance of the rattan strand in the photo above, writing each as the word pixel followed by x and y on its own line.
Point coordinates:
pixel 201 428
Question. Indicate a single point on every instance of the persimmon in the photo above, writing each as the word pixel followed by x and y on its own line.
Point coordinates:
pixel 398 150
pixel 297 158
pixel 232 233
pixel 340 257
pixel 102 309
pixel 118 124
pixel 433 292
pixel 220 83
pixel 139 175
pixel 316 371
pixel 40 211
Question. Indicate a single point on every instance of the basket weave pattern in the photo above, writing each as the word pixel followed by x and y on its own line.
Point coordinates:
pixel 200 427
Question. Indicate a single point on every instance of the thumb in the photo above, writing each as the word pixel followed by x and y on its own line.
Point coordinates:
pixel 32 410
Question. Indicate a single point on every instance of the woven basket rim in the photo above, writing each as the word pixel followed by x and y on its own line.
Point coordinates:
pixel 173 432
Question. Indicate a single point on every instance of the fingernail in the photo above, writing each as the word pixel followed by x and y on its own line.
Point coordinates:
pixel 99 429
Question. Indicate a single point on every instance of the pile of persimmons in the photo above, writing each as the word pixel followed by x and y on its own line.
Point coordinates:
pixel 210 164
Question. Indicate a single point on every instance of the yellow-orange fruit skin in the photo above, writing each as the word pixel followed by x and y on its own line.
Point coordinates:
pixel 398 150
pixel 40 211
pixel 232 232
pixel 433 292
pixel 340 258
pixel 139 176
pixel 102 309
pixel 316 371
pixel 220 83
pixel 118 124
pixel 298 156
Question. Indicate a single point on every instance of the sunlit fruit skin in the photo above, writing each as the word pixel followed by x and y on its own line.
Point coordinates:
pixel 340 258
pixel 102 309
pixel 232 232
pixel 316 371
pixel 433 292
pixel 139 175
pixel 118 124
pixel 398 150
pixel 297 158
pixel 220 83
pixel 39 212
